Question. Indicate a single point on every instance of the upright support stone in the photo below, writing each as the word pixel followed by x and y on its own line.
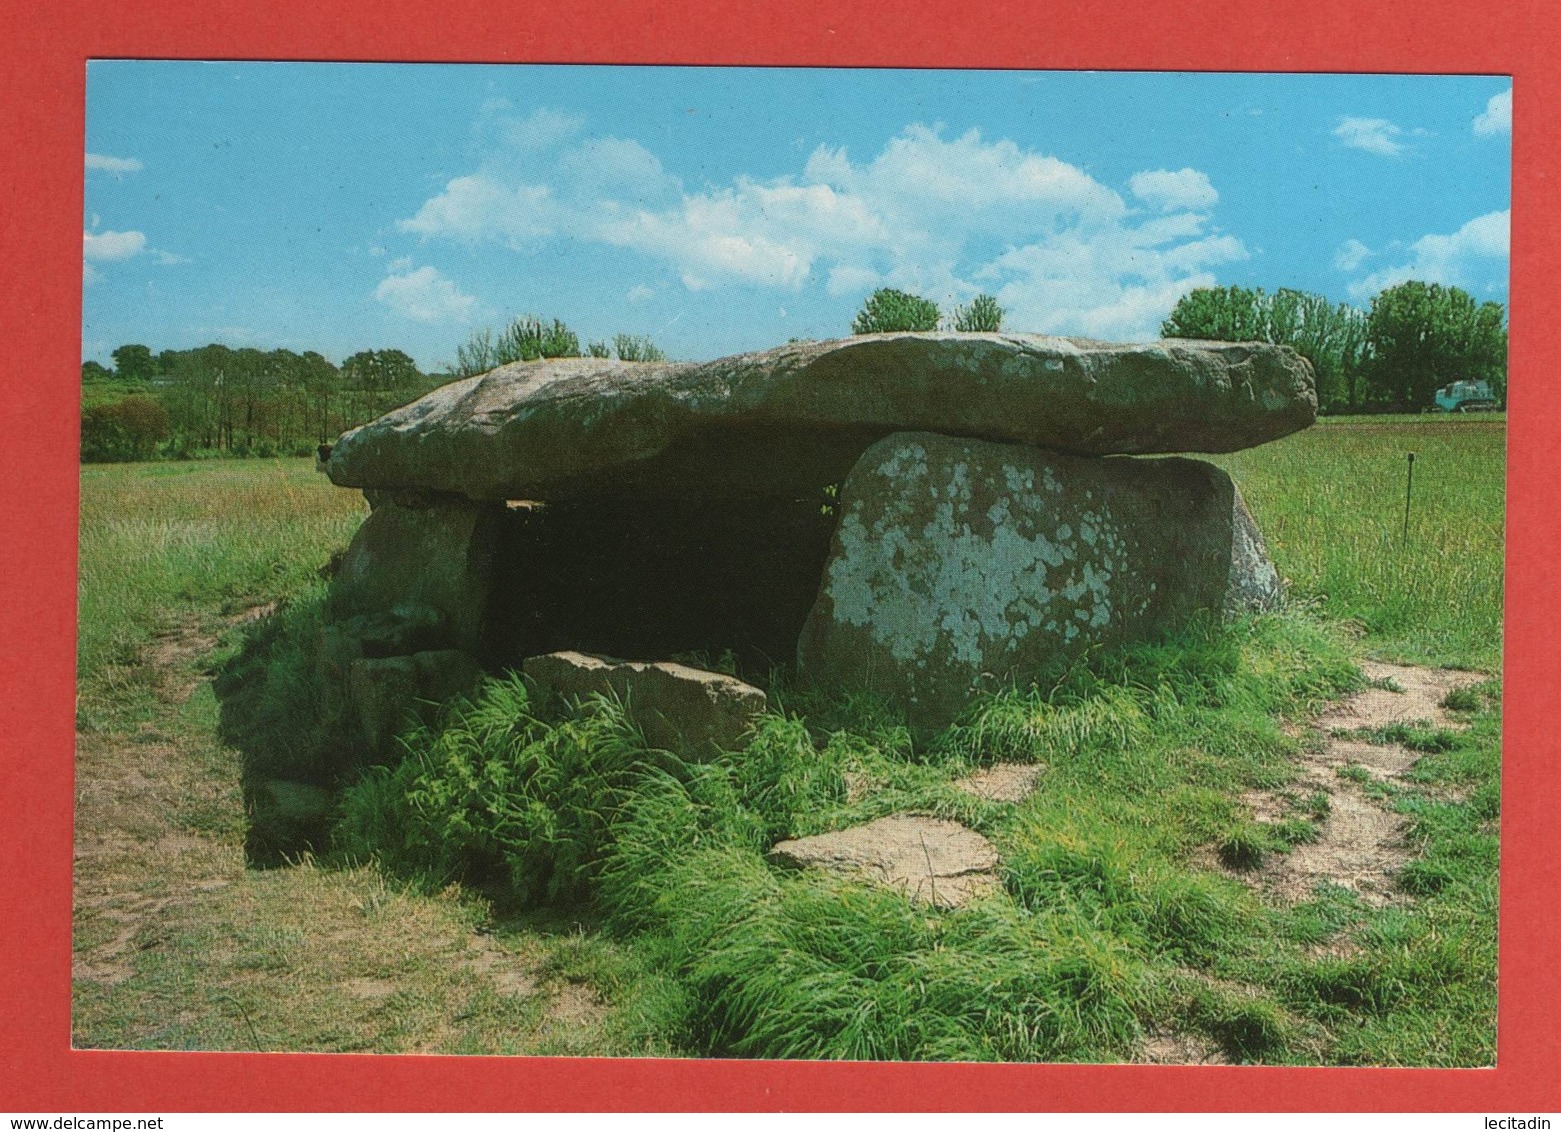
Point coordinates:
pixel 1254 585
pixel 422 554
pixel 389 692
pixel 960 564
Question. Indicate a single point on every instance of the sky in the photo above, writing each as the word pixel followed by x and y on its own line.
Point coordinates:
pixel 343 207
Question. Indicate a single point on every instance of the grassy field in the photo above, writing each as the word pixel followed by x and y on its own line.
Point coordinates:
pixel 1330 501
pixel 163 544
pixel 666 933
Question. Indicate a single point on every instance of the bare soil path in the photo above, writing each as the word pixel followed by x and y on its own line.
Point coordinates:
pixel 179 944
pixel 1360 842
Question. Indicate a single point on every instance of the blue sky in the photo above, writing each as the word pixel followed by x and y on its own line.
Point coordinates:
pixel 342 207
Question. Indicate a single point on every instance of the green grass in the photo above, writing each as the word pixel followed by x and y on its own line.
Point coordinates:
pixel 1330 502
pixel 165 542
pixel 1107 925
pixel 634 886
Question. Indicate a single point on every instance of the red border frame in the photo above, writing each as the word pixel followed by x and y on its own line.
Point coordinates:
pixel 42 103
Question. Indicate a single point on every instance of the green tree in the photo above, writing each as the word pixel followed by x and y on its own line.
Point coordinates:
pixel 380 371
pixel 102 437
pixel 134 363
pixel 318 377
pixel 95 373
pixel 1333 337
pixel 1220 314
pixel 381 379
pixel 127 429
pixel 887 310
pixel 982 316
pixel 145 424
pixel 636 348
pixel 1424 335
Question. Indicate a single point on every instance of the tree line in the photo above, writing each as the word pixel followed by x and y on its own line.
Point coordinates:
pixel 1414 339
pixel 217 400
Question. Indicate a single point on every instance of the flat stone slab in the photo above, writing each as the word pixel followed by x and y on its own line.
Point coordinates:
pixel 931 860
pixel 795 418
pixel 958 565
pixel 1003 782
pixel 676 706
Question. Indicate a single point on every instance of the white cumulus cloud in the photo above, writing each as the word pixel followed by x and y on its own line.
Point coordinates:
pixel 764 234
pixel 542 128
pixel 601 167
pixel 943 215
pixel 425 296
pixel 1167 191
pixel 115 165
pixel 111 245
pixel 1497 118
pixel 921 175
pixel 1374 135
pixel 1475 256
pixel 480 207
pixel 1351 254
pixel 1110 284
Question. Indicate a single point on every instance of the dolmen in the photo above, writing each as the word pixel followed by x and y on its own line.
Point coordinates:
pixel 921 516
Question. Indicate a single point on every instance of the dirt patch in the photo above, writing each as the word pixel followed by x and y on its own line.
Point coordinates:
pixel 369 989
pixel 1005 782
pixel 1359 847
pixel 931 860
pixel 1166 1048
pixel 509 973
pixel 125 891
pixel 1360 843
pixel 1420 701
pixel 133 871
pixel 174 651
pixel 575 1004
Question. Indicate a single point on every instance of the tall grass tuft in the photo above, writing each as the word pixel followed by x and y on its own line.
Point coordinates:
pixel 497 791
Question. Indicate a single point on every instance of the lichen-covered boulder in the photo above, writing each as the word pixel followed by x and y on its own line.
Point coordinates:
pixel 960 564
pixel 788 421
pixel 677 707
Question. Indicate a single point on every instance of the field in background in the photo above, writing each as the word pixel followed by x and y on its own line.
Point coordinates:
pixel 181 946
pixel 1330 501
pixel 165 542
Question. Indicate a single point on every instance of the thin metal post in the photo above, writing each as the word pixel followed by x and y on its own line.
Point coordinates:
pixel 1409 487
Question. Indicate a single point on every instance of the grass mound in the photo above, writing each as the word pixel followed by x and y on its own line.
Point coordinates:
pixel 1107 926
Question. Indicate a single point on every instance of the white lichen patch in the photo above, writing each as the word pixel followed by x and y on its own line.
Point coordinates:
pixel 929 575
